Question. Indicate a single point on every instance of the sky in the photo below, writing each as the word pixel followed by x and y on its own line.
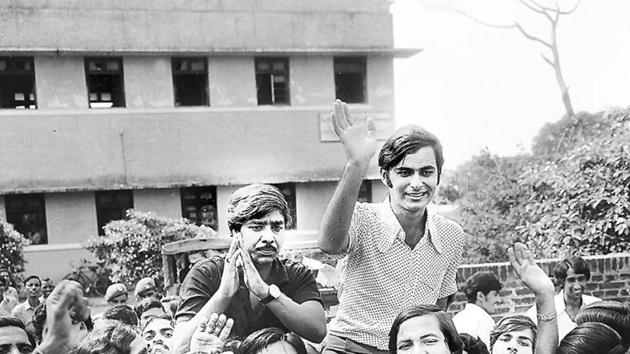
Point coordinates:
pixel 477 87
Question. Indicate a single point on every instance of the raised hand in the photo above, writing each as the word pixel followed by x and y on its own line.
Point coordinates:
pixel 211 336
pixel 359 140
pixel 530 273
pixel 65 304
pixel 230 279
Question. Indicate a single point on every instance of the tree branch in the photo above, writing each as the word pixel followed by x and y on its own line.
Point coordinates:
pixel 547 60
pixel 532 38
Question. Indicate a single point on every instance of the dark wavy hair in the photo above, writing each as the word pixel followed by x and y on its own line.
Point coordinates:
pixel 480 281
pixel 254 201
pixel 512 323
pixel 261 339
pixel 408 140
pixel 9 321
pixel 446 326
pixel 591 338
pixel 122 313
pixel 473 345
pixel 612 313
pixel 114 337
pixel 578 264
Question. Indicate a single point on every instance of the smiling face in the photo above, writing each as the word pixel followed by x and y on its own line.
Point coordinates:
pixel 421 334
pixel 47 287
pixel 574 285
pixel 412 181
pixel 262 237
pixel 515 342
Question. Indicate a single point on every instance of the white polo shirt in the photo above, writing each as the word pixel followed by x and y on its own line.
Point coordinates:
pixel 384 276
pixel 475 321
pixel 565 323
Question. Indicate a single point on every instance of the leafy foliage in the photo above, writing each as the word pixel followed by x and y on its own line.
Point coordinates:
pixel 132 247
pixel 12 245
pixel 571 195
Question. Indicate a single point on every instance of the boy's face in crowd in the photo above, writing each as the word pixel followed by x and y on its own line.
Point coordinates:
pixel 515 342
pixel 47 287
pixel 14 340
pixel 33 288
pixel 414 180
pixel 262 237
pixel 489 301
pixel 421 334
pixel 574 284
pixel 158 335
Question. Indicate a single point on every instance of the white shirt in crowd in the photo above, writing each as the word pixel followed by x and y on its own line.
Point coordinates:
pixel 565 323
pixel 475 321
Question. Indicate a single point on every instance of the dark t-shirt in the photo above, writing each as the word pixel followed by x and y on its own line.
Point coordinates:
pixel 294 280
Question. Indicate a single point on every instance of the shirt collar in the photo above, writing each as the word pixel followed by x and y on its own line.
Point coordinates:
pixel 392 229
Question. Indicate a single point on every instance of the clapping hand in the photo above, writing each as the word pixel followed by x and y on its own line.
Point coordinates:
pixel 530 273
pixel 359 140
pixel 210 336
pixel 251 277
pixel 230 279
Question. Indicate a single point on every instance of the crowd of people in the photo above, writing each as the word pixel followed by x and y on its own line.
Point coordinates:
pixel 401 262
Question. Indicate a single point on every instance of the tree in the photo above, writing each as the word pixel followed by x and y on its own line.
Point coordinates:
pixel 12 245
pixel 576 201
pixel 550 54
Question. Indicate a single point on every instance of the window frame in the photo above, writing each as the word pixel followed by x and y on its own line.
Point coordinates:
pixel 351 60
pixel 260 72
pixel 11 214
pixel 175 72
pixel 107 72
pixel 199 203
pixel 291 201
pixel 100 222
pixel 11 62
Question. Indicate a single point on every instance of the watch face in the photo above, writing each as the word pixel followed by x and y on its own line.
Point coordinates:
pixel 274 291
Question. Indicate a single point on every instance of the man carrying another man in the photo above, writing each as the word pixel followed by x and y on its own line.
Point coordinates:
pixel 400 253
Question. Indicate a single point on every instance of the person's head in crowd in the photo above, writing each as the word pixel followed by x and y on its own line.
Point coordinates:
pixel 571 274
pixel 116 294
pixel 14 337
pixel 157 333
pixel 209 216
pixel 424 327
pixel 47 287
pixel 33 286
pixel 78 329
pixel 410 149
pixel 148 308
pixel 472 345
pixel 3 288
pixel 122 313
pixel 112 337
pixel 6 275
pixel 591 338
pixel 513 334
pixel 612 313
pixel 260 214
pixel 272 341
pixel 482 289
pixel 145 289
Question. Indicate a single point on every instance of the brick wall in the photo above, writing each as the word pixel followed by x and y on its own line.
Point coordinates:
pixel 610 280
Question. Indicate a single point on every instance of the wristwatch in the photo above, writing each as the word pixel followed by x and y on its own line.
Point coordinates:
pixel 274 293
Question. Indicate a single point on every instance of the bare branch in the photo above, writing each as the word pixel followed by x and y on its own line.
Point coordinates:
pixel 547 60
pixel 531 7
pixel 532 38
pixel 541 9
pixel 567 12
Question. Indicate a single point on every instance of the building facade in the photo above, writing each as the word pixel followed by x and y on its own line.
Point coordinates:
pixel 169 106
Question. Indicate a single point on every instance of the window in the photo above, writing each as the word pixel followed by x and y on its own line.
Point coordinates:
pixel 350 79
pixel 111 205
pixel 199 205
pixel 288 191
pixel 190 81
pixel 27 213
pixel 104 78
pixel 365 192
pixel 272 80
pixel 17 83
